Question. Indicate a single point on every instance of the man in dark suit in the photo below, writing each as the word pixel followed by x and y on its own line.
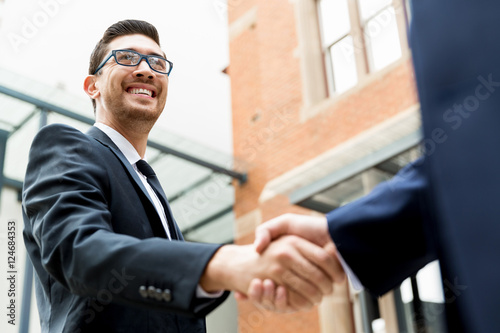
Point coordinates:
pixel 444 206
pixel 107 253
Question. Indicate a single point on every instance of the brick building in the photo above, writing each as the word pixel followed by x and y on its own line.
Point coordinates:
pixel 325 107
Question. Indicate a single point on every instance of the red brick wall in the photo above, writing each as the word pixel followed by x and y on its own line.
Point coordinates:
pixel 268 134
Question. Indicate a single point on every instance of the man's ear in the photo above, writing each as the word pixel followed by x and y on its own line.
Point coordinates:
pixel 90 86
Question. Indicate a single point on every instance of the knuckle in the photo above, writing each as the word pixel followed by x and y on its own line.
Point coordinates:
pixel 292 281
pixel 303 269
pixel 319 279
pixel 283 256
pixel 315 294
pixel 277 270
pixel 294 240
pixel 323 257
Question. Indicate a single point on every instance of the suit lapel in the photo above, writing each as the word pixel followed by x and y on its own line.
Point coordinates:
pixel 100 136
pixel 105 140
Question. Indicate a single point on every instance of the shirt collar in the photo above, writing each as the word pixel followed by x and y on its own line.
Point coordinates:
pixel 123 145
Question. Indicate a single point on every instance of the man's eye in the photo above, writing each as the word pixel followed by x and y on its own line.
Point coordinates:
pixel 157 63
pixel 126 58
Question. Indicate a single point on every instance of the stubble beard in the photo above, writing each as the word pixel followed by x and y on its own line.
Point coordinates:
pixel 137 119
pixel 141 121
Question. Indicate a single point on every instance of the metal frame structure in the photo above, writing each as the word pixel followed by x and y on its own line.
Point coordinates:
pixel 302 196
pixel 44 109
pixel 48 107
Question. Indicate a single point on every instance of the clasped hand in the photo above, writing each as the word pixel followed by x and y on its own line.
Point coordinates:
pixel 310 264
pixel 291 266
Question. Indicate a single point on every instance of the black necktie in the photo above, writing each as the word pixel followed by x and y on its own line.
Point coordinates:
pixel 148 171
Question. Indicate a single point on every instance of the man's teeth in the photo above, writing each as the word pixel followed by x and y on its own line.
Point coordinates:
pixel 141 91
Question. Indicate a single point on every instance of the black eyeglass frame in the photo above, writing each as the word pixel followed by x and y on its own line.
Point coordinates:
pixel 142 56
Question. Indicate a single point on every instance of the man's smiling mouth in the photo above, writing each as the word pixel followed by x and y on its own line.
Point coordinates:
pixel 140 91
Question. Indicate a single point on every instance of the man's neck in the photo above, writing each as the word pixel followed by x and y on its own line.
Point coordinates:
pixel 137 139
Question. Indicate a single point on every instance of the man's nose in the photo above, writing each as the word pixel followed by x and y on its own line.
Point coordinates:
pixel 143 69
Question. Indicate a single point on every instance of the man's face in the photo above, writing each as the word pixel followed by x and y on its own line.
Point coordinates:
pixel 131 94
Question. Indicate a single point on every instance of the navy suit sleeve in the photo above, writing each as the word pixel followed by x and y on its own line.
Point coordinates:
pixel 384 236
pixel 70 238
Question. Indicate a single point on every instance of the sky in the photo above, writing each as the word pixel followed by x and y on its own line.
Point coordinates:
pixel 51 40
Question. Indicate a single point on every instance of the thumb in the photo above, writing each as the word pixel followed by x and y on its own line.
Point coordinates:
pixel 262 239
pixel 270 230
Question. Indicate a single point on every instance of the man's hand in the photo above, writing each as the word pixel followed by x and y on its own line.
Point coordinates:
pixel 312 228
pixel 264 293
pixel 304 269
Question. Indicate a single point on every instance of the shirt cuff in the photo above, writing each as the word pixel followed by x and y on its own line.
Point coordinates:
pixel 200 293
pixel 355 283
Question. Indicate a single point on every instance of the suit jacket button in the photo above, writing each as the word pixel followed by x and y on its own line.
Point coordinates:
pixel 151 291
pixel 143 291
pixel 167 295
pixel 158 294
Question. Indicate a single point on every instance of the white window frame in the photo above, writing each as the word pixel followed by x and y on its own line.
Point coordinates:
pixel 361 52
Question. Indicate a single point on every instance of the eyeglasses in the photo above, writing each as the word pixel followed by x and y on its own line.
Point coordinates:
pixel 132 58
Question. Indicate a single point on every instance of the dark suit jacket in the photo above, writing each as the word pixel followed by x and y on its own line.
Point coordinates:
pixel 88 231
pixel 448 206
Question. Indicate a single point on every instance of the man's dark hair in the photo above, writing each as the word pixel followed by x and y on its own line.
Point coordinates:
pixel 122 28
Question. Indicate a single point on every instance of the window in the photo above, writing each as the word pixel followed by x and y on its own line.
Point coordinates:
pixel 369 28
pixel 380 29
pixel 338 44
pixel 420 301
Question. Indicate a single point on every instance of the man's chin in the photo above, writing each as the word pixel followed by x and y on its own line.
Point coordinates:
pixel 144 113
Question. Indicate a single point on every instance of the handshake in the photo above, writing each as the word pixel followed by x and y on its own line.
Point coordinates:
pixel 292 264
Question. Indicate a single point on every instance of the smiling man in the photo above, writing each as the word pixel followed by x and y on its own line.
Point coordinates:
pixel 108 254
pixel 132 93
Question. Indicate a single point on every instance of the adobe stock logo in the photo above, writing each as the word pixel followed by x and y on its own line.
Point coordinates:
pixel 223 7
pixel 31 26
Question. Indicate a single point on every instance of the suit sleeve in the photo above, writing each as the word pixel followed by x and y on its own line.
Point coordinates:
pixel 384 237
pixel 68 232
